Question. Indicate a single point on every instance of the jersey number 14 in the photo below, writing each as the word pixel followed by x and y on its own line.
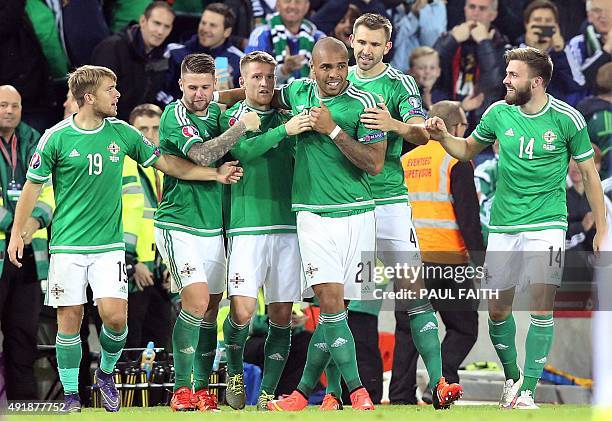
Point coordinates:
pixel 526 149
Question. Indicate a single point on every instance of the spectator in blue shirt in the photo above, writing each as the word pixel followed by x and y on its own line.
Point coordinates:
pixel 213 38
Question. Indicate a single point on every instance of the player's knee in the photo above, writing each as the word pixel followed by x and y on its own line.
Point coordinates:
pixel 115 321
pixel 498 314
pixel 241 315
pixel 69 319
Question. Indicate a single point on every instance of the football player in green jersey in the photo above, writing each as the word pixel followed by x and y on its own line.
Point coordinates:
pixel 188 225
pixel 334 204
pixel 401 115
pixel 263 242
pixel 537 135
pixel 83 156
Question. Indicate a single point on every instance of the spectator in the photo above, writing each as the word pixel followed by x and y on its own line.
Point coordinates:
pixel 47 22
pixel 120 13
pixel 22 62
pixel 593 47
pixel 445 212
pixel 20 294
pixel 245 21
pixel 289 37
pixel 149 306
pixel 580 227
pixel 344 29
pixel 472 59
pixel 84 27
pixel 597 111
pixel 136 57
pixel 212 38
pixel 542 31
pixel 425 69
pixel 421 25
pixel 485 178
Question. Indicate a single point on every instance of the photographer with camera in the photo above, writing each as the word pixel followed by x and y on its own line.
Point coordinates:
pixel 542 31
pixel 149 306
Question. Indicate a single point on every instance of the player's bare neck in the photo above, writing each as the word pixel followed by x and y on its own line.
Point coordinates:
pixel 537 102
pixel 373 72
pixel 256 106
pixel 87 120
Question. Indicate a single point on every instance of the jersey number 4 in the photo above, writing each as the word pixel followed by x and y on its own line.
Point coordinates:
pixel 526 149
pixel 95 164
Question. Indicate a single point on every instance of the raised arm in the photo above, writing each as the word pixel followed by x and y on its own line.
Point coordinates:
pixel 205 153
pixel 23 211
pixel 458 147
pixel 229 96
pixel 368 157
pixel 594 193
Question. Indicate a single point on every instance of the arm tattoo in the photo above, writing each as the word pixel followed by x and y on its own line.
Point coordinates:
pixel 205 153
pixel 363 156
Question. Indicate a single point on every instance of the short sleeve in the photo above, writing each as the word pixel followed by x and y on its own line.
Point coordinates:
pixel 43 160
pixel 485 130
pixel 180 131
pixel 580 144
pixel 409 99
pixel 367 136
pixel 141 149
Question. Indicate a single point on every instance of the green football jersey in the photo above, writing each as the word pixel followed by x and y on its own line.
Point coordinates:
pixel 193 207
pixel 86 168
pixel 534 151
pixel 261 200
pixel 324 180
pixel 400 93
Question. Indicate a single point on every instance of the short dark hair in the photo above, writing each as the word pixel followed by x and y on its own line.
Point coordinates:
pixel 448 111
pixel 154 5
pixel 198 63
pixel 229 16
pixel 540 4
pixel 256 57
pixel 373 22
pixel 148 110
pixel 539 62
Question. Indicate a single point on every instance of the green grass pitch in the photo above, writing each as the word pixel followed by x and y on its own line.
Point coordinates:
pixel 382 413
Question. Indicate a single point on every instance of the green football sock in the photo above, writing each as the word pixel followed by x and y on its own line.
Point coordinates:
pixel 502 335
pixel 235 337
pixel 316 360
pixel 205 354
pixel 185 338
pixel 112 344
pixel 424 331
pixel 341 344
pixel 276 351
pixel 334 380
pixel 537 346
pixel 68 351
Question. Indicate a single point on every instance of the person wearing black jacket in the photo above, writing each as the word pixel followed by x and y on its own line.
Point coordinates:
pixel 472 58
pixel 136 55
pixel 22 62
pixel 459 314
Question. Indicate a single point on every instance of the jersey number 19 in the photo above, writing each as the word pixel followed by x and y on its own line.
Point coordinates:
pixel 95 164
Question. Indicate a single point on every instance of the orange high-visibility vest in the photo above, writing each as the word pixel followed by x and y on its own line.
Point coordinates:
pixel 427 171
